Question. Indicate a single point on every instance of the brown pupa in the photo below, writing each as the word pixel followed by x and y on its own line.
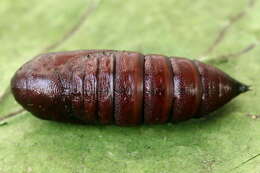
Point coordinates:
pixel 121 87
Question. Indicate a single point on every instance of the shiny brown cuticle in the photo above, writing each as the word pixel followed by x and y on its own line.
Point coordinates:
pixel 120 87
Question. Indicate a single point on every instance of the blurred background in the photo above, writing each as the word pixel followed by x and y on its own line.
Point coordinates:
pixel 224 33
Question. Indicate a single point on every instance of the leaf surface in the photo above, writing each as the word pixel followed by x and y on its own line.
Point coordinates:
pixel 227 141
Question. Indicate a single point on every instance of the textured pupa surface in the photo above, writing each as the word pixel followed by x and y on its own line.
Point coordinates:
pixel 121 87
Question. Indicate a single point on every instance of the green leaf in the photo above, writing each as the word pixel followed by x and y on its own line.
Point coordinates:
pixel 227 141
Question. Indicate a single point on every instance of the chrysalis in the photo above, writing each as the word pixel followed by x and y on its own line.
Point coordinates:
pixel 121 87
